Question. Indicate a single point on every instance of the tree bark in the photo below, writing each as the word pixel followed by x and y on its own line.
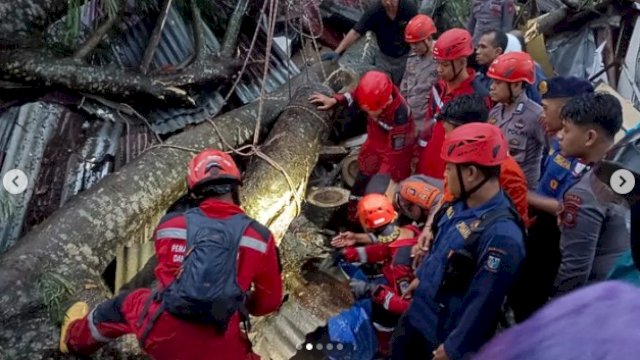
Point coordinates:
pixel 39 68
pixel 20 19
pixel 79 240
pixel 294 143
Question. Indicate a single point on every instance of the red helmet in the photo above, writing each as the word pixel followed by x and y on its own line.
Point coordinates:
pixel 476 143
pixel 420 192
pixel 375 211
pixel 421 27
pixel 513 67
pixel 373 90
pixel 212 165
pixel 453 44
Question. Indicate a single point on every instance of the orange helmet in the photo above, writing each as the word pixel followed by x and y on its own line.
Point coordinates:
pixel 453 44
pixel 513 67
pixel 419 192
pixel 373 90
pixel 421 27
pixel 375 211
pixel 475 143
pixel 210 166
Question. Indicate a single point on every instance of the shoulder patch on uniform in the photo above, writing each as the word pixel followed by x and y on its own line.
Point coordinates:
pixel 570 210
pixel 493 121
pixel 562 161
pixel 493 263
pixel 514 142
pixel 519 108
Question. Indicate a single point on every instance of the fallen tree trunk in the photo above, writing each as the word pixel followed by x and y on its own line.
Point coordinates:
pixel 294 145
pixel 42 69
pixel 78 241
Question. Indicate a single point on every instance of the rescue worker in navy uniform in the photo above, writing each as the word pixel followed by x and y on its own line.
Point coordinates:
pixel 387 19
pixel 474 259
pixel 490 15
pixel 515 114
pixel 559 172
pixel 597 322
pixel 593 233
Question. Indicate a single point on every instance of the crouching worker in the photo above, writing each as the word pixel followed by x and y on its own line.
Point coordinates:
pixel 390 129
pixel 208 259
pixel 377 215
pixel 413 200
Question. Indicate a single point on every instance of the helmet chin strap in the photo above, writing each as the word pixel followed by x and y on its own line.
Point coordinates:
pixel 464 193
pixel 456 73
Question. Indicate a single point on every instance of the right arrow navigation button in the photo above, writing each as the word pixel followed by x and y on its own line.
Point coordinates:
pixel 622 181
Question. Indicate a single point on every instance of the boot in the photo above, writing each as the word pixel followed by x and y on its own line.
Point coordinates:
pixel 77 311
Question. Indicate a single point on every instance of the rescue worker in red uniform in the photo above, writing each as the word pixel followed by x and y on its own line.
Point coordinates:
pixel 377 215
pixel 450 52
pixel 213 180
pixel 414 198
pixel 390 128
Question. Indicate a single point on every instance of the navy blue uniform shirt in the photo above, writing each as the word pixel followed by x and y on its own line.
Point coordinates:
pixel 468 321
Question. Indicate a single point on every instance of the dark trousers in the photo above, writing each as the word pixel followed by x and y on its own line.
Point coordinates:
pixel 408 343
pixel 535 282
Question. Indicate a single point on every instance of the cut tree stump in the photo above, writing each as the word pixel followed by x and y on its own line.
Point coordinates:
pixel 323 202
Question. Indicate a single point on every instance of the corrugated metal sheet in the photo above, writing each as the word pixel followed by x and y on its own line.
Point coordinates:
pixel 130 259
pixel 176 47
pixel 23 144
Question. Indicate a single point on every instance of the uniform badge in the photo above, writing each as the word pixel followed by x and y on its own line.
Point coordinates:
pixel 493 263
pixel 570 210
pixel 553 184
pixel 514 142
pixel 519 124
pixel 493 121
pixel 474 224
pixel 519 108
pixel 398 141
pixel 562 161
pixel 543 87
pixel 579 168
pixel 463 229
pixel 450 212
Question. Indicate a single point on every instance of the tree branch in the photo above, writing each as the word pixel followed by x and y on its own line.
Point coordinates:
pixel 155 37
pixel 41 68
pixel 199 42
pixel 233 28
pixel 96 37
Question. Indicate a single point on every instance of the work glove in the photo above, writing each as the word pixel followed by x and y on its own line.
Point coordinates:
pixel 360 288
pixel 330 56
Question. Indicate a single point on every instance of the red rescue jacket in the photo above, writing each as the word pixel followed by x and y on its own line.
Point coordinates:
pixel 390 139
pixel 397 269
pixel 432 137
